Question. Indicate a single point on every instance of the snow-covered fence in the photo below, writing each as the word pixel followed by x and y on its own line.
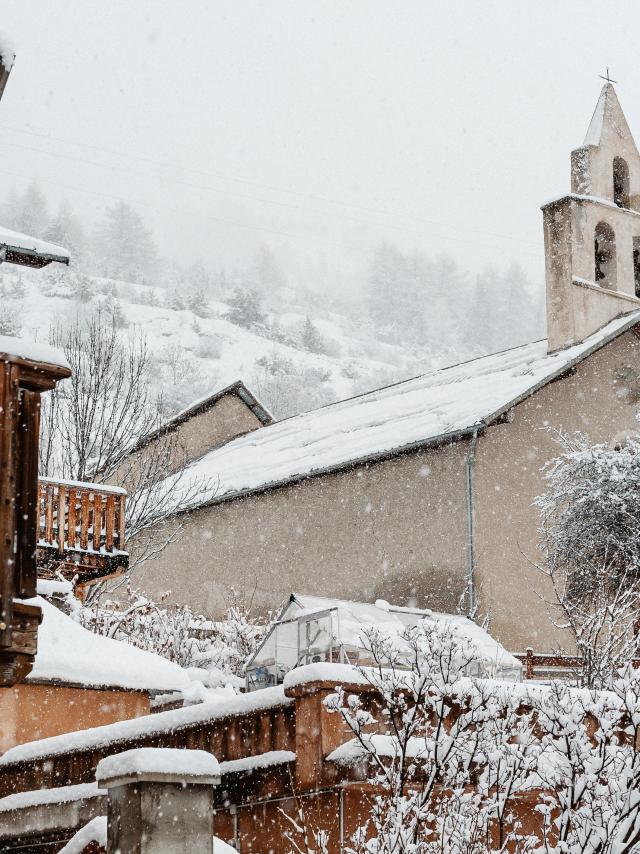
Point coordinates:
pixel 82 524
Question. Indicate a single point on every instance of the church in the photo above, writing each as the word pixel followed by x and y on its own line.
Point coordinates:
pixel 422 492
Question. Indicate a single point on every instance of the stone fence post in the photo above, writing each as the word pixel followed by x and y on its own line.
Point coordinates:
pixel 159 800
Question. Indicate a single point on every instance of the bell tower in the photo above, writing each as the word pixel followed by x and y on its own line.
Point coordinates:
pixel 592 236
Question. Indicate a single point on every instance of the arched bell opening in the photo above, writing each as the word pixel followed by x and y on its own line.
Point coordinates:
pixel 620 182
pixel 604 250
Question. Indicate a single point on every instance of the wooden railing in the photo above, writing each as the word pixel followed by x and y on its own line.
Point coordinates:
pixel 82 522
pixel 552 665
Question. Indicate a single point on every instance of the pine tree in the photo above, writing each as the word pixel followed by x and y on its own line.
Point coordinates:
pixel 66 230
pixel 10 317
pixel 197 302
pixel 265 275
pixel 114 312
pixel 245 308
pixel 173 300
pixel 17 289
pixel 11 210
pixel 33 217
pixel 310 338
pixel 385 285
pixel 124 246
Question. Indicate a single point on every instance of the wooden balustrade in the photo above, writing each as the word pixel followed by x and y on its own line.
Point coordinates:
pixel 552 665
pixel 82 529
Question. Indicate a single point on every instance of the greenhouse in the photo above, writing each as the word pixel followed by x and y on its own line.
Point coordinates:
pixel 312 629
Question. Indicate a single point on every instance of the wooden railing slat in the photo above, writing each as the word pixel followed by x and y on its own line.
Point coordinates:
pixel 48 515
pixel 109 522
pixel 62 514
pixel 97 521
pixel 71 518
pixel 84 519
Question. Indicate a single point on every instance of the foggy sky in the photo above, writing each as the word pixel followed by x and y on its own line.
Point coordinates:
pixel 318 128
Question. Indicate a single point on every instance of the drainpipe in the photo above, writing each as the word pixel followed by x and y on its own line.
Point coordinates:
pixel 470 591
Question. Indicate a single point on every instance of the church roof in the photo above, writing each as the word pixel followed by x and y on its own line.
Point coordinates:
pixel 431 409
pixel 608 120
pixel 594 131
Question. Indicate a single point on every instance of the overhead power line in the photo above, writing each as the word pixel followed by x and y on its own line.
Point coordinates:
pixel 226 192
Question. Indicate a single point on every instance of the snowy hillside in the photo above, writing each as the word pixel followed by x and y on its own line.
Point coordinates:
pixel 291 361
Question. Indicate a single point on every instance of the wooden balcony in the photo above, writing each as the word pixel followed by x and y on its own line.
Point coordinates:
pixel 82 530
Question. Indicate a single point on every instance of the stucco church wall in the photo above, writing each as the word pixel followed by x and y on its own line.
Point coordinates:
pixel 398 527
pixel 599 399
pixel 384 530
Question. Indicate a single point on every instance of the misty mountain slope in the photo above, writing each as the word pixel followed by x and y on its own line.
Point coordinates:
pixel 292 362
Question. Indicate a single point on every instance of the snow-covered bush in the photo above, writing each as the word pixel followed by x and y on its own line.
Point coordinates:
pixel 176 632
pixel 591 544
pixel 457 762
pixel 230 641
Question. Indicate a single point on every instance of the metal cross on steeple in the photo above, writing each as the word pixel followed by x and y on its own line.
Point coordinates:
pixel 607 78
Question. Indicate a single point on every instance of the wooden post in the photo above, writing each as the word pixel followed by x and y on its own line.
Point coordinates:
pixel 529 664
pixel 9 378
pixel 22 381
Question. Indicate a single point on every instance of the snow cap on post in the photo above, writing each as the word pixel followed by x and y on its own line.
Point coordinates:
pixel 158 765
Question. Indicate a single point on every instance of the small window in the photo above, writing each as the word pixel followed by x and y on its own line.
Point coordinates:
pixel 604 248
pixel 620 182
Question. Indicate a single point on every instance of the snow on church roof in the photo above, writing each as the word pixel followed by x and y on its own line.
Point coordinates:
pixel 594 131
pixel 425 410
pixel 70 654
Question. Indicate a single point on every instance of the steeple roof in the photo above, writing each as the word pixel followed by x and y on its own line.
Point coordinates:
pixel 608 119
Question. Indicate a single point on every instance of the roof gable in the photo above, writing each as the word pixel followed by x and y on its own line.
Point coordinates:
pixel 238 388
